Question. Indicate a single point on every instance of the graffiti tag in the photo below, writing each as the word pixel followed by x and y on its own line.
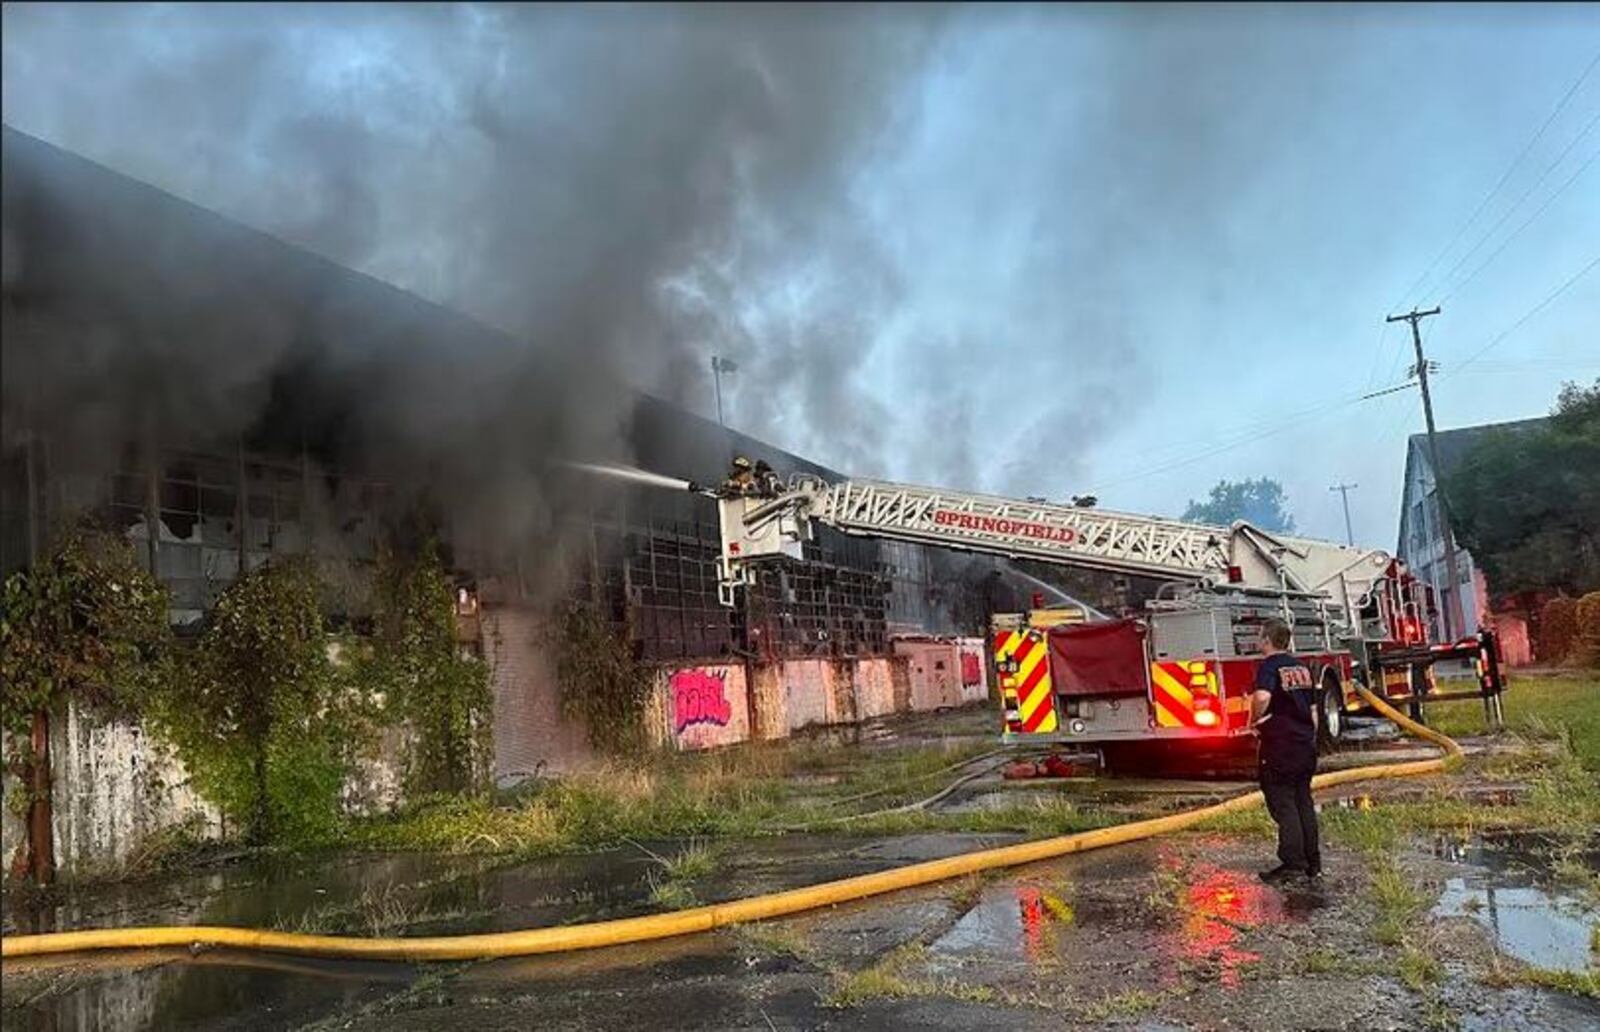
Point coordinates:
pixel 699 698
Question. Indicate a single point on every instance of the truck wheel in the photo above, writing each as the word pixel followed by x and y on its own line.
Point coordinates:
pixel 1330 728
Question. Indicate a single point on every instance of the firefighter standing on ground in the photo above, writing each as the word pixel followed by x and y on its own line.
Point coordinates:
pixel 1283 711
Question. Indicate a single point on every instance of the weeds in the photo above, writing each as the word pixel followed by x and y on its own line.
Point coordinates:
pixel 885 980
pixel 1586 983
pixel 1125 1004
pixel 1320 960
pixel 777 939
pixel 669 880
pixel 1538 707
pixel 889 979
pixel 1418 968
pixel 1170 892
pixel 1398 902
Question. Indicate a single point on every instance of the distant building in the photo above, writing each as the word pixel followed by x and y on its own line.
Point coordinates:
pixel 1423 526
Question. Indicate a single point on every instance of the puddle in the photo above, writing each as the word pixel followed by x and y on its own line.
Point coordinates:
pixel 1010 922
pixel 1216 907
pixel 1204 917
pixel 1507 890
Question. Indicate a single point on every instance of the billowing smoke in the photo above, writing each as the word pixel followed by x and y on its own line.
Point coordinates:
pixel 936 241
pixel 586 180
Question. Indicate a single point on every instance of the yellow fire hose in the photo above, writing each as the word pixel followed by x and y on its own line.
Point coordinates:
pixel 699 919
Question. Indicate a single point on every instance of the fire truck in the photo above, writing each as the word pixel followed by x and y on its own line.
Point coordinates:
pixel 1180 670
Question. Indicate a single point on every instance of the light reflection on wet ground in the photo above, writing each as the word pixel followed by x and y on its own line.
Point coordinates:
pixel 1159 915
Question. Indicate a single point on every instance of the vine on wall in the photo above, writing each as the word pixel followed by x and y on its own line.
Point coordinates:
pixel 87 624
pixel 602 683
pixel 427 683
pixel 258 712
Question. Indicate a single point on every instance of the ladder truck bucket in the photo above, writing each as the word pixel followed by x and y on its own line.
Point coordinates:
pixel 756 530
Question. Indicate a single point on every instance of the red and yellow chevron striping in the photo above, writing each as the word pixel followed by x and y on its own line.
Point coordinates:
pixel 1184 694
pixel 1024 665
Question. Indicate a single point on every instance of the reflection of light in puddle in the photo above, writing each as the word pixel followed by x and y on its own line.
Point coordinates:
pixel 1019 921
pixel 1529 924
pixel 1218 906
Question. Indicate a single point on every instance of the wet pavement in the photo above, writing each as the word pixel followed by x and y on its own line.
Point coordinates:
pixel 1171 934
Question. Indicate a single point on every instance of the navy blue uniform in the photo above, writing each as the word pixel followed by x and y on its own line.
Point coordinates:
pixel 1289 758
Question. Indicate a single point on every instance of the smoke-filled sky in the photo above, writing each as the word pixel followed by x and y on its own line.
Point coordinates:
pixel 1122 250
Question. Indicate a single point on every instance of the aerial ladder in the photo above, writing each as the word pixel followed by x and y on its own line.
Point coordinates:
pixel 1180 670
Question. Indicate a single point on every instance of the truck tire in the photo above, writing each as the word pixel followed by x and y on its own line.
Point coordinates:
pixel 1331 721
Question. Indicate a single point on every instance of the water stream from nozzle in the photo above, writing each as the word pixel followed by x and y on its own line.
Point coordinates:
pixel 638 476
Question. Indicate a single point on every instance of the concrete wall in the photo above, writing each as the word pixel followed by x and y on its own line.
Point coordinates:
pixel 944 672
pixel 704 707
pixel 114 789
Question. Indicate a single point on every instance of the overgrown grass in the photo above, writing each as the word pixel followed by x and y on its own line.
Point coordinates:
pixel 745 792
pixel 1540 706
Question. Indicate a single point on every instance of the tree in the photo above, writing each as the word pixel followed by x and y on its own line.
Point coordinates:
pixel 258 720
pixel 1260 502
pixel 1526 502
pixel 86 624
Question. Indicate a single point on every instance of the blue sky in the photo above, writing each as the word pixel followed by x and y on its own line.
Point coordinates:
pixel 1126 250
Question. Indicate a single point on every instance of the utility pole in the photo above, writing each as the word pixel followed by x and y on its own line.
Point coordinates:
pixel 1344 493
pixel 1455 618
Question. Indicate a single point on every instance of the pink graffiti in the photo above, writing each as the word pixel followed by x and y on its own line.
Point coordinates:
pixel 971 670
pixel 699 698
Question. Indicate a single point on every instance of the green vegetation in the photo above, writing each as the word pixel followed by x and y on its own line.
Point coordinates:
pixel 1549 708
pixel 777 938
pixel 890 979
pixel 756 790
pixel 1526 502
pixel 602 682
pixel 670 881
pixel 1261 502
pixel 257 715
pixel 1397 899
pixel 414 663
pixel 1126 1004
pixel 85 624
pixel 268 722
pixel 1419 968
pixel 1586 983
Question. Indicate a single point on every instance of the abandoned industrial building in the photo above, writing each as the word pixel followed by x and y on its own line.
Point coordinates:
pixel 98 266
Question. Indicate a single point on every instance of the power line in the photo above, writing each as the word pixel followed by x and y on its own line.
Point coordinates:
pixel 1229 445
pixel 1526 223
pixel 1529 314
pixel 1525 195
pixel 1504 178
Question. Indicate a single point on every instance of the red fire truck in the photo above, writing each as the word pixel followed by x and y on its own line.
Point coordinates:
pixel 1181 669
